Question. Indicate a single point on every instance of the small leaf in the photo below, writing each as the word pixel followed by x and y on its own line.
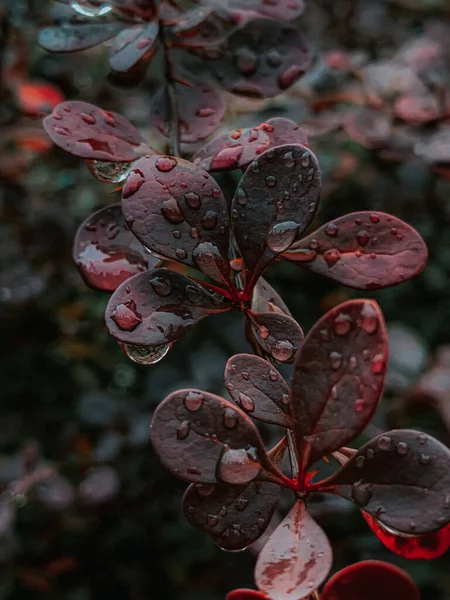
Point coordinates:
pixel 278 335
pixel 87 131
pixel 234 516
pixel 283 131
pixel 200 110
pixel 368 127
pixel 266 299
pixel 338 378
pixel 258 389
pixel 296 559
pixel 363 250
pixel 402 478
pixel 246 595
pixel 420 547
pixel 274 203
pixel 202 438
pixel 107 253
pixel 158 306
pixel 73 37
pixel 178 211
pixel 371 580
pixel 133 45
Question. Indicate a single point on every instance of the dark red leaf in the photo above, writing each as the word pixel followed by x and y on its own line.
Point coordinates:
pixel 72 37
pixel 402 478
pixel 283 10
pixel 266 299
pixel 371 580
pixel 107 253
pixel 296 559
pixel 274 203
pixel 258 389
pixel 234 516
pixel 338 378
pixel 278 335
pixel 202 438
pixel 158 306
pixel 178 211
pixel 134 44
pixel 246 595
pixel 87 131
pixel 261 59
pixel 369 127
pixel 420 547
pixel 200 108
pixel 363 250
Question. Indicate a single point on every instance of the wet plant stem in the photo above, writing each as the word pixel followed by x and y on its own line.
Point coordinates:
pixel 173 120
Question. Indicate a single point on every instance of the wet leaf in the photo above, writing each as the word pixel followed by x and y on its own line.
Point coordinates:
pixel 133 45
pixel 203 26
pixel 368 127
pixel 402 478
pixel 420 547
pixel 363 250
pixel 158 306
pixel 371 580
pixel 338 378
pixel 259 389
pixel 245 595
pixel 266 299
pixel 107 253
pixel 261 59
pixel 201 108
pixel 283 131
pixel 234 516
pixel 296 559
pixel 178 211
pixel 202 438
pixel 278 335
pixel 274 203
pixel 72 37
pixel 283 10
pixel 87 131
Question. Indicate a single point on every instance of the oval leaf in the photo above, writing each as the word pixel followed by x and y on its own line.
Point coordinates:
pixel 278 335
pixel 419 547
pixel 202 438
pixel 338 378
pixel 402 478
pixel 363 250
pixel 73 37
pixel 274 203
pixel 200 110
pixel 371 580
pixel 107 253
pixel 158 306
pixel 265 299
pixel 258 389
pixel 296 559
pixel 234 516
pixel 178 212
pixel 133 45
pixel 87 131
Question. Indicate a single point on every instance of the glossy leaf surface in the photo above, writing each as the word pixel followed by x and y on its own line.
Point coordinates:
pixel 338 378
pixel 202 438
pixel 87 131
pixel 73 37
pixel 363 250
pixel 200 111
pixel 234 516
pixel 133 45
pixel 420 547
pixel 402 478
pixel 261 59
pixel 178 211
pixel 266 299
pixel 296 559
pixel 259 389
pixel 107 253
pixel 278 335
pixel 158 306
pixel 274 203
pixel 370 580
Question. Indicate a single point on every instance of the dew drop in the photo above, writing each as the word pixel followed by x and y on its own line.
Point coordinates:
pixel 209 220
pixel 211 521
pixel 238 466
pixel 282 350
pixel 134 182
pixel 193 200
pixel 183 430
pixel 285 398
pixel 161 286
pixel 422 439
pixel 425 459
pixel 336 360
pixel 331 257
pixel 166 163
pixel 289 160
pixel 384 443
pixel 255 166
pixel 377 365
pixel 374 218
pixel 176 234
pixel 369 318
pixel 273 375
pixel 360 462
pixel 126 317
pixel 331 230
pixel 230 419
pixel 341 324
pixel 304 161
pixel 181 253
pixel 281 235
pixel 223 511
pixel 171 211
pixel 271 181
pixel 246 402
pixel 146 355
pixel 361 494
pixel 362 238
pixel 241 504
pixel 194 401
pixel 261 524
pixel 402 448
pixel 359 405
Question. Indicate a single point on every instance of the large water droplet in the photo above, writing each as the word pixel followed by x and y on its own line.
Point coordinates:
pixel 209 220
pixel 88 10
pixel 193 200
pixel 281 235
pixel 369 318
pixel 331 230
pixel 341 324
pixel 282 350
pixel 238 466
pixel 126 317
pixel 362 238
pixel 241 504
pixel 161 285
pixel 166 163
pixel 183 430
pixel 109 172
pixel 289 160
pixel 194 401
pixel 246 402
pixel 133 183
pixel 146 355
pixel 171 211
pixel 331 257
pixel 384 443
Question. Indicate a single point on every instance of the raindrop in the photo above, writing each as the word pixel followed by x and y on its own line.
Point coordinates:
pixel 282 350
pixel 244 375
pixel 341 324
pixel 90 11
pixel 384 443
pixel 230 419
pixel 425 459
pixel 374 218
pixel 274 58
pixel 369 318
pixel 336 360
pixel 331 257
pixel 255 166
pixel 273 375
pixel 281 236
pixel 212 521
pixel 193 200
pixel 133 183
pixel 161 286
pixel 176 234
pixel 246 402
pixel 241 504
pixel 238 466
pixel 209 220
pixel 402 448
pixel 271 181
pixel 126 317
pixel 289 160
pixel 362 238
pixel 360 462
pixel 377 364
pixel 331 230
pixel 146 355
pixel 223 511
pixel 359 405
pixel 422 439
pixel 183 430
pixel 166 163
pixel 261 523
pixel 304 161
pixel 285 398
pixel 181 253
pixel 194 401
pixel 171 211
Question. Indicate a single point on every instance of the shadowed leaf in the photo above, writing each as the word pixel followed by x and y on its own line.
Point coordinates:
pixel 72 37
pixel 420 547
pixel 338 378
pixel 107 253
pixel 245 595
pixel 202 438
pixel 133 45
pixel 177 211
pixel 274 203
pixel 371 580
pixel 158 306
pixel 402 478
pixel 258 389
pixel 362 250
pixel 296 559
pixel 87 131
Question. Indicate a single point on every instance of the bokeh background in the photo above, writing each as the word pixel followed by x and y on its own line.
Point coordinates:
pixel 94 515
